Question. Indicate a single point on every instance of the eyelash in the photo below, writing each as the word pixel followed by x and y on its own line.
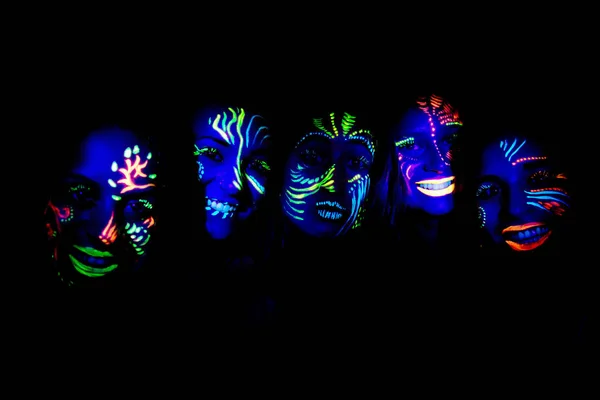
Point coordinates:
pixel 486 191
pixel 209 152
pixel 260 166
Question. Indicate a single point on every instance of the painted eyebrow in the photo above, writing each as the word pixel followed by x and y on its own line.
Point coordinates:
pixel 364 140
pixel 219 140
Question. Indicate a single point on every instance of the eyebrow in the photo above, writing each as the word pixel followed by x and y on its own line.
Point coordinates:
pixel 214 139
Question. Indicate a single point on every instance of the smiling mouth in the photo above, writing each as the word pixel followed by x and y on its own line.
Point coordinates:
pixel 220 208
pixel 92 263
pixel 331 210
pixel 527 236
pixel 436 187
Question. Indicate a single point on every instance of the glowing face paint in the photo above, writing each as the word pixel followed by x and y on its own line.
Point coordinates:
pixel 103 213
pixel 232 150
pixel 520 193
pixel 424 142
pixel 327 177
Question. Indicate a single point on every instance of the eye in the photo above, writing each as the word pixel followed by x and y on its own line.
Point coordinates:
pixel 83 196
pixel 408 144
pixel 209 152
pixel 260 165
pixel 486 191
pixel 311 157
pixel 359 163
pixel 138 210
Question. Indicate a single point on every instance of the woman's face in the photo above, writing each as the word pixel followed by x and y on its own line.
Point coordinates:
pixel 425 146
pixel 520 193
pixel 101 215
pixel 327 177
pixel 233 158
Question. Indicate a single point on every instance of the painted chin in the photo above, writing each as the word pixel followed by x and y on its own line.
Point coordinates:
pixel 436 187
pixel 91 262
pixel 331 211
pixel 526 237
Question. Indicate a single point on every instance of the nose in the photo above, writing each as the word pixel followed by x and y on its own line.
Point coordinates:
pixel 517 202
pixel 513 206
pixel 340 177
pixel 231 182
pixel 434 161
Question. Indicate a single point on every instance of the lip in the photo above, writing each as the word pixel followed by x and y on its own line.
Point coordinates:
pixel 92 262
pixel 527 236
pixel 331 210
pixel 436 187
pixel 220 208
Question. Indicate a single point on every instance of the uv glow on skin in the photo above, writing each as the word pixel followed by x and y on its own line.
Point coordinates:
pixel 101 216
pixel 521 193
pixel 232 150
pixel 425 141
pixel 327 176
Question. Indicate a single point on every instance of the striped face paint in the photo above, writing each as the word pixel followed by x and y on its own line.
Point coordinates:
pixel 425 146
pixel 232 150
pixel 521 193
pixel 327 177
pixel 103 212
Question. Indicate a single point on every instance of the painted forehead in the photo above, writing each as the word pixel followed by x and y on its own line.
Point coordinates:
pixel 119 158
pixel 109 145
pixel 514 151
pixel 440 110
pixel 233 126
pixel 340 126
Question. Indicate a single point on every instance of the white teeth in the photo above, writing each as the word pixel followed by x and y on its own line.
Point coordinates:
pixel 218 207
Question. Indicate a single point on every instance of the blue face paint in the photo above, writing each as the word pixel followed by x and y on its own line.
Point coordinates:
pixel 425 145
pixel 102 211
pixel 521 193
pixel 327 177
pixel 233 161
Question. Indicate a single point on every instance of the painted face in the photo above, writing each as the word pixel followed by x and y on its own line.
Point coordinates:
pixel 101 216
pixel 327 177
pixel 232 150
pixel 425 143
pixel 520 193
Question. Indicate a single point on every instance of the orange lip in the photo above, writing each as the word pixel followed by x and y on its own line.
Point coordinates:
pixel 517 228
pixel 526 246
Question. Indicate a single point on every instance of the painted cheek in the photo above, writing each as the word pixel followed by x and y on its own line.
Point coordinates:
pixel 109 233
pixel 200 170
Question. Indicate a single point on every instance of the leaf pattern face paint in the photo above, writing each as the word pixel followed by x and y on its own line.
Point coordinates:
pixel 232 150
pixel 425 141
pixel 101 216
pixel 521 193
pixel 327 177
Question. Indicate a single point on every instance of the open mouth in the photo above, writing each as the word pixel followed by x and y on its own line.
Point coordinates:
pixel 436 187
pixel 527 236
pixel 220 208
pixel 331 210
pixel 91 262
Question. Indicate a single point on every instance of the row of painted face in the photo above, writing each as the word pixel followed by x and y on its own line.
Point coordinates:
pixel 104 212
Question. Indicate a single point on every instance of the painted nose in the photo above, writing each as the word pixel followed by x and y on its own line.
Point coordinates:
pixel 229 183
